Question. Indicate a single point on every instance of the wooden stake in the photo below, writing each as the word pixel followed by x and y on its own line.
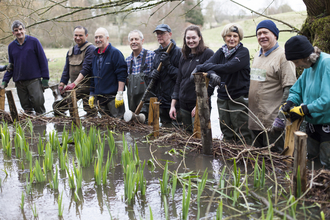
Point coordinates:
pixel 300 160
pixel 12 105
pixel 197 125
pixel 155 106
pixel 74 112
pixel 151 114
pixel 204 112
pixel 289 136
pixel 2 99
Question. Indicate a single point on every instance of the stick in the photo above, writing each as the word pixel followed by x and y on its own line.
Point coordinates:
pixel 151 84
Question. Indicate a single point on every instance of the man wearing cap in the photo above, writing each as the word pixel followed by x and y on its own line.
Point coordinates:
pixel 139 65
pixel 310 96
pixel 165 78
pixel 271 78
pixel 78 68
pixel 30 69
pixel 109 76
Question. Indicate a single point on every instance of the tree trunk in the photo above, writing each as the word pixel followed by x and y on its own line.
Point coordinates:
pixel 317 24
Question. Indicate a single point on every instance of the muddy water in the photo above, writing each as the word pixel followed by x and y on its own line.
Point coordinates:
pixel 94 199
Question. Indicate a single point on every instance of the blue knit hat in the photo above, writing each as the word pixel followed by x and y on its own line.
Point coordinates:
pixel 270 25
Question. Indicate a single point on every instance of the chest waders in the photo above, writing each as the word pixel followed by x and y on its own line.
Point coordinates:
pixel 136 84
pixel 76 62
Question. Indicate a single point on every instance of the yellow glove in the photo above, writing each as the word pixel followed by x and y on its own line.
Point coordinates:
pixel 298 112
pixel 119 101
pixel 91 101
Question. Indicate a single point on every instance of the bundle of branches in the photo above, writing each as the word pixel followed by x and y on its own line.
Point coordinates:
pixel 228 150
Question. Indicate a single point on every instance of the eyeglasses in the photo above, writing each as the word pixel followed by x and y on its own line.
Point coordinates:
pixel 160 33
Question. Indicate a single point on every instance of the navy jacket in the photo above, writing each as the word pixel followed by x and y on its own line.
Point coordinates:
pixel 108 68
pixel 234 72
pixel 29 60
pixel 165 84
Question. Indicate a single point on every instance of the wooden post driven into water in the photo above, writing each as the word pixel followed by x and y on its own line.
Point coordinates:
pixel 12 105
pixel 300 154
pixel 74 113
pixel 155 123
pixel 197 124
pixel 2 99
pixel 203 112
pixel 151 112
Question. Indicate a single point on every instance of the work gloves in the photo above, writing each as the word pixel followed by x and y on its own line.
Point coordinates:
pixel 3 85
pixel 294 112
pixel 119 101
pixel 91 101
pixel 155 74
pixel 215 79
pixel 44 83
pixel 298 112
pixel 165 59
pixel 70 86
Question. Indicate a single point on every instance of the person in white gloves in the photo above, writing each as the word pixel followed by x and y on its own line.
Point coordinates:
pixel 109 76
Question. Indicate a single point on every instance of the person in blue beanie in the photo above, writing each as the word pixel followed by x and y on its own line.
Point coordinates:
pixel 271 78
pixel 30 69
pixel 310 96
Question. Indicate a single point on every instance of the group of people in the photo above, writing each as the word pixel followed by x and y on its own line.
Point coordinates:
pixel 249 96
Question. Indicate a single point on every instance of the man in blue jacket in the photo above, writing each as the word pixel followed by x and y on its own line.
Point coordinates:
pixel 30 69
pixel 109 76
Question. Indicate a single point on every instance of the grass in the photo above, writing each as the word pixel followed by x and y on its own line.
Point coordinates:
pixel 200 189
pixel 186 200
pixel 5 139
pixel 34 210
pixel 48 161
pixel 54 184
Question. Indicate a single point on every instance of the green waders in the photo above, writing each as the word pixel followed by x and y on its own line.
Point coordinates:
pixel 233 119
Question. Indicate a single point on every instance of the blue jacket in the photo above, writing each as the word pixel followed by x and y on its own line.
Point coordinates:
pixel 29 60
pixel 313 89
pixel 108 68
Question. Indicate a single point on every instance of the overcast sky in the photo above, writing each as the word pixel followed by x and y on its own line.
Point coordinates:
pixel 297 5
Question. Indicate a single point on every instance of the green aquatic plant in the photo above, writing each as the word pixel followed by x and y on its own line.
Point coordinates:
pixel 142 179
pixel 186 201
pixel 48 161
pixel 200 189
pixel 29 122
pixel 151 215
pixel 62 157
pixel 38 173
pixel 70 178
pixel 111 142
pixel 78 175
pixel 59 205
pixel 53 140
pixel 54 183
pixel 259 175
pixel 167 216
pixel 34 210
pixel 41 147
pixel 219 211
pixel 174 183
pixel 270 212
pixel 130 182
pixel 22 200
pixel 164 182
pixel 5 139
pixel 106 169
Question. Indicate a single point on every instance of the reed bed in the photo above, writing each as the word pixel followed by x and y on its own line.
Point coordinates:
pixel 232 187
